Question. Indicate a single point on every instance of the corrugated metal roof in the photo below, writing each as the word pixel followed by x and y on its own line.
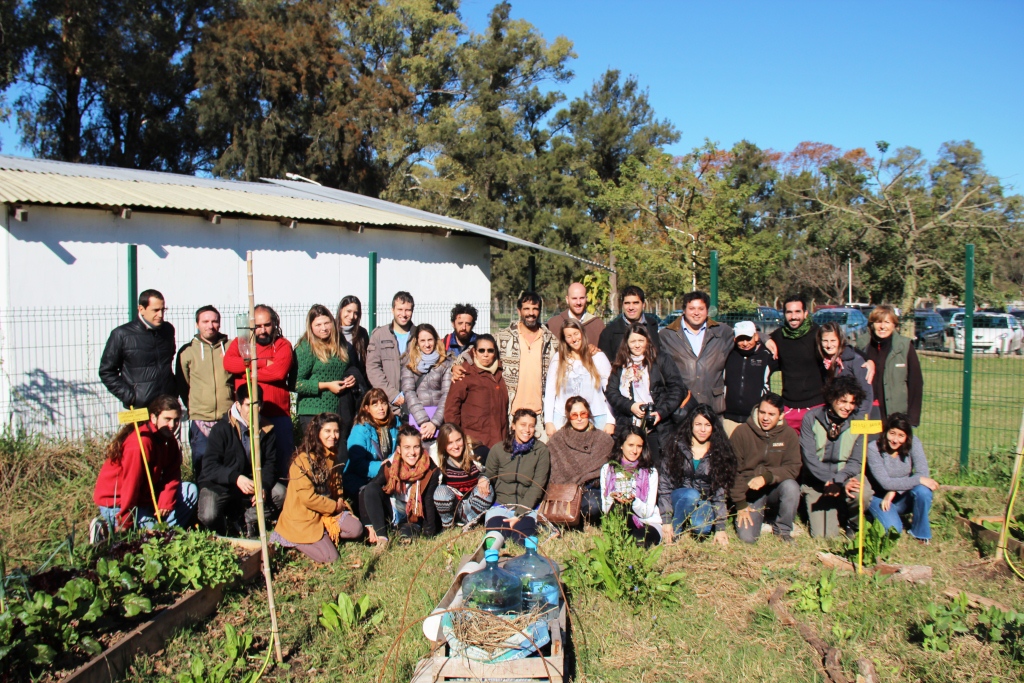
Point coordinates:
pixel 41 181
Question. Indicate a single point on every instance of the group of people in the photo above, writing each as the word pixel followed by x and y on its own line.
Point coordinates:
pixel 404 432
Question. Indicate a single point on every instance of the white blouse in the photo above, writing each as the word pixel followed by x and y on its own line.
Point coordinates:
pixel 578 382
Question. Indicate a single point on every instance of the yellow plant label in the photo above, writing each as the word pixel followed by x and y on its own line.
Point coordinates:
pixel 138 415
pixel 865 426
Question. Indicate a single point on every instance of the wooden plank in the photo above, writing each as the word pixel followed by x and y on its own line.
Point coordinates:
pixel 974 600
pixel 528 667
pixel 980 532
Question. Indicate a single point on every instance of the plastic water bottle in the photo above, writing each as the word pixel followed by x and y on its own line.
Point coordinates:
pixel 492 589
pixel 538 578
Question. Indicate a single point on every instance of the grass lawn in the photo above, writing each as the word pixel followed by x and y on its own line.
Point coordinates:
pixel 719 629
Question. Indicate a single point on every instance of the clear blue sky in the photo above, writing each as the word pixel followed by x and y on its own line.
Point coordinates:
pixel 777 73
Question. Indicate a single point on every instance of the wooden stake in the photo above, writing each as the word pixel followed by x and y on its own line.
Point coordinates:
pixel 149 476
pixel 257 470
pixel 1008 515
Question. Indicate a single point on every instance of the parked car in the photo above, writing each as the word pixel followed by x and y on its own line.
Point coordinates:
pixel 929 330
pixel 947 314
pixel 853 322
pixel 669 319
pixel 998 333
pixel 766 319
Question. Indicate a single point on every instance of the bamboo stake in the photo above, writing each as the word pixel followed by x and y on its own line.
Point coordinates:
pixel 1008 515
pixel 149 475
pixel 257 470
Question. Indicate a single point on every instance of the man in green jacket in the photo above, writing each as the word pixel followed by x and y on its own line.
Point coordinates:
pixel 203 384
pixel 768 464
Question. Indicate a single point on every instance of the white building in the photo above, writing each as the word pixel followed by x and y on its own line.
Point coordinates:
pixel 65 258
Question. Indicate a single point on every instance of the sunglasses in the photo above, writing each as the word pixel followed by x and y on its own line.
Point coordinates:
pixel 485 350
pixel 580 415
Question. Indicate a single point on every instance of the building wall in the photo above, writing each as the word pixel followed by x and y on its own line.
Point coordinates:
pixel 63 287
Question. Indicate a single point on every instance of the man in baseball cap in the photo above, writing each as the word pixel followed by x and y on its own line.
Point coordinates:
pixel 748 371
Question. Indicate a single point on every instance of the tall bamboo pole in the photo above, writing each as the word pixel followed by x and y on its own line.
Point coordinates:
pixel 1008 514
pixel 258 463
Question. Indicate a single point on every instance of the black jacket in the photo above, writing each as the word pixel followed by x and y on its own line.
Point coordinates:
pixel 746 380
pixel 137 363
pixel 667 389
pixel 226 457
pixel 615 331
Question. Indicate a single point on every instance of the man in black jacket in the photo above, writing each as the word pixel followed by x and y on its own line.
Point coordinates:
pixel 136 365
pixel 227 492
pixel 631 302
pixel 748 371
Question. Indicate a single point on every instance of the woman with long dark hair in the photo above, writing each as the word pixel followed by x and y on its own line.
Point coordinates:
pixel 630 480
pixel 642 378
pixel 899 477
pixel 354 338
pixel 315 516
pixel 462 492
pixel 321 361
pixel 518 469
pixel 426 378
pixel 698 468
pixel 842 360
pixel 578 451
pixel 574 371
pixel 372 441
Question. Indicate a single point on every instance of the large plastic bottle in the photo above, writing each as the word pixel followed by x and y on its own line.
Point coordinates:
pixel 538 577
pixel 492 589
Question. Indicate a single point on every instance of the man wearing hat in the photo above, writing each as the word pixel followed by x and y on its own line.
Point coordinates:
pixel 748 371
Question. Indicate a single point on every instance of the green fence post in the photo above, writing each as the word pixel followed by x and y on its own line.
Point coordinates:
pixel 714 283
pixel 133 281
pixel 965 420
pixel 531 273
pixel 371 303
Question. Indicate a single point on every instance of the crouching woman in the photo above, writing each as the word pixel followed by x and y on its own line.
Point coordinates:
pixel 315 516
pixel 899 475
pixel 630 480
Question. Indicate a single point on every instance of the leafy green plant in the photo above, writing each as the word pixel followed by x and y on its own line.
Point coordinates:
pixel 944 622
pixel 841 633
pixel 344 615
pixel 811 597
pixel 620 568
pixel 879 544
pixel 235 646
pixel 1004 628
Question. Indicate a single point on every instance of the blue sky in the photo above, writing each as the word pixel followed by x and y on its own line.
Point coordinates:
pixel 781 72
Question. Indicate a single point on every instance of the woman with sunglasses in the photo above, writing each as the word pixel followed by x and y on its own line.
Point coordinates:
pixel 578 451
pixel 478 403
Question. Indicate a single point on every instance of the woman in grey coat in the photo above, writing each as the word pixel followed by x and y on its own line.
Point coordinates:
pixel 426 378
pixel 842 360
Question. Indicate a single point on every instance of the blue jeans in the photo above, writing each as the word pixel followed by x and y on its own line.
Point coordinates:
pixel 917 501
pixel 182 514
pixel 687 506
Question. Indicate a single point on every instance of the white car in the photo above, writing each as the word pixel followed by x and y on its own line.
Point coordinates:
pixel 993 333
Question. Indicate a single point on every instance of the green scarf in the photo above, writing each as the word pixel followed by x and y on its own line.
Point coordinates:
pixel 805 327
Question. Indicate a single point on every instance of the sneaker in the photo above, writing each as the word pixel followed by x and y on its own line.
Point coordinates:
pixel 786 538
pixel 766 529
pixel 98 531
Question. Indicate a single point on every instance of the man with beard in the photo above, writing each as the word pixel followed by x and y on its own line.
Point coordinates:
pixel 385 349
pixel 462 336
pixel 576 300
pixel 631 302
pixel 803 376
pixel 203 384
pixel 525 350
pixel 273 363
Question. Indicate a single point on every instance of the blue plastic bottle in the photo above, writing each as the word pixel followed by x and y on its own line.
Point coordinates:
pixel 538 577
pixel 492 589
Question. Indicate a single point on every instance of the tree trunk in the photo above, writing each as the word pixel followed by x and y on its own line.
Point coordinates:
pixel 908 301
pixel 613 276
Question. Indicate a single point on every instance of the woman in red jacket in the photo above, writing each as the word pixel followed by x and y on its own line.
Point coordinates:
pixel 122 488
pixel 478 403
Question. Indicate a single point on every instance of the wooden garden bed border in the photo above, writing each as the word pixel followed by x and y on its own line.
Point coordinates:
pixel 978 531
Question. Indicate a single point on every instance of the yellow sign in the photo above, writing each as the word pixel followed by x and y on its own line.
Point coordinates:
pixel 865 426
pixel 126 417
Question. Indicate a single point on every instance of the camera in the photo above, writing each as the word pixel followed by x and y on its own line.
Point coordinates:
pixel 650 416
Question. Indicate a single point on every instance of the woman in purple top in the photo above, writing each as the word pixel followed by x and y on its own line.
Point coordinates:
pixel 899 477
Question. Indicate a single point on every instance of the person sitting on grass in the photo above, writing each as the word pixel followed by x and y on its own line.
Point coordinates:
pixel 372 441
pixel 463 493
pixel 578 452
pixel 518 470
pixel 697 469
pixel 401 496
pixel 768 465
pixel 122 490
pixel 315 515
pixel 631 481
pixel 832 457
pixel 899 474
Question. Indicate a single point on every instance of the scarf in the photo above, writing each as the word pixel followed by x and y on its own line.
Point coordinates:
pixel 641 477
pixel 492 368
pixel 835 424
pixel 427 361
pixel 348 330
pixel 635 382
pixel 789 333
pixel 828 362
pixel 521 448
pixel 383 439
pixel 398 476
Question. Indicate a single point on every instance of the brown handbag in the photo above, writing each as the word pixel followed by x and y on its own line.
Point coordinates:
pixel 561 505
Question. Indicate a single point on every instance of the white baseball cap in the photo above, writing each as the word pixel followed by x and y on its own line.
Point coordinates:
pixel 744 328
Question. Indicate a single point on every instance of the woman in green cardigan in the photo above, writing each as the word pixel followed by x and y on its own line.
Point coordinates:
pixel 321 362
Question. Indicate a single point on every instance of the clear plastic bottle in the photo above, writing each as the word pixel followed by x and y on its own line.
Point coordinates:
pixel 538 577
pixel 492 589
